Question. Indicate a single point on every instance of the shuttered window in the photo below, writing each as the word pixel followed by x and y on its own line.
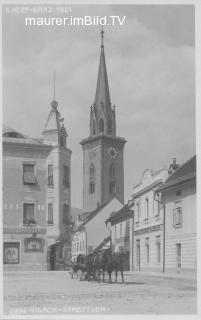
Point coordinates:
pixel 29 173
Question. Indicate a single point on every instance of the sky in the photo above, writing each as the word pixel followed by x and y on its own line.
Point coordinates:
pixel 151 71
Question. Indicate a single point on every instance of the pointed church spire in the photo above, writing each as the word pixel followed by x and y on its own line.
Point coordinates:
pixel 102 87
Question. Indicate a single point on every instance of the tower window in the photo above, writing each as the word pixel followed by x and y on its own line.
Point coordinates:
pixel 50 181
pixel 94 127
pixel 101 125
pixel 66 219
pixel 91 172
pixel 112 183
pixel 110 127
pixel 92 187
pixel 66 176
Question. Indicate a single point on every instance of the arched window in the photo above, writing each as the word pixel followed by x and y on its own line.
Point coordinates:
pixel 91 187
pixel 112 175
pixel 109 127
pixel 94 127
pixel 101 125
pixel 92 178
pixel 91 172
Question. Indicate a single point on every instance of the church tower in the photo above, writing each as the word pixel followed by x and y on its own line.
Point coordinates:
pixel 103 167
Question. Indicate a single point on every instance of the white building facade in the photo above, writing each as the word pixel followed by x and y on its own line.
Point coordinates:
pixel 147 234
pixel 179 196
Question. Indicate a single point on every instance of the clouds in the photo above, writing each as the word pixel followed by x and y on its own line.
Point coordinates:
pixel 151 75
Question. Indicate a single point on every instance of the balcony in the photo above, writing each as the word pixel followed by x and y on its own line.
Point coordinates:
pixel 29 222
pixel 50 223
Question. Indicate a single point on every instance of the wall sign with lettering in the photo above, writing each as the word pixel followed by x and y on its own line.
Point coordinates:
pixel 34 244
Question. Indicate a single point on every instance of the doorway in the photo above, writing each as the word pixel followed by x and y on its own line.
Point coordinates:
pixel 52 257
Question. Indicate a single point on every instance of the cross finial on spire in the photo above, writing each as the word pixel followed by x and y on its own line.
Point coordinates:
pixel 102 37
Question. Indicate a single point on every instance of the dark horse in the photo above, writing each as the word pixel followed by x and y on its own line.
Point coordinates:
pixel 118 261
pixel 107 261
pixel 90 266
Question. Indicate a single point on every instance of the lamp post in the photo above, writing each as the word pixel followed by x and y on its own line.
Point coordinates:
pixel 163 204
pixel 130 205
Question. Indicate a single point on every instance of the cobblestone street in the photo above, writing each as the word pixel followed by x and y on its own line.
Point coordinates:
pixel 56 293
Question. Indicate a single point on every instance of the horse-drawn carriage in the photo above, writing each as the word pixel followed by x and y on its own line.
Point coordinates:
pixel 97 264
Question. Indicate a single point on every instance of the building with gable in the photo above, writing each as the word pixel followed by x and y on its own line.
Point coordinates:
pixel 121 223
pixel 91 230
pixel 146 244
pixel 178 195
pixel 36 197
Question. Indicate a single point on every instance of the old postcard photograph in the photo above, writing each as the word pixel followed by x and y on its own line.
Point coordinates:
pixel 98 159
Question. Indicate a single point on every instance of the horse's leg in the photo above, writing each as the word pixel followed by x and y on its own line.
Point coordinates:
pixel 116 274
pixel 122 275
pixel 103 275
pixel 99 274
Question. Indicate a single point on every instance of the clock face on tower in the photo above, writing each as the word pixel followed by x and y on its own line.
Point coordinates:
pixel 112 153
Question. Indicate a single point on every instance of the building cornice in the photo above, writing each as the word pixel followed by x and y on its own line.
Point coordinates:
pixel 102 137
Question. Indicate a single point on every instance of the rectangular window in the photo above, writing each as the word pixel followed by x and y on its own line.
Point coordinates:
pixel 178 255
pixel 66 219
pixel 66 176
pixel 138 212
pixel 29 213
pixel 177 217
pixel 29 177
pixel 147 208
pixel 158 249
pixel 120 229
pixel 157 199
pixel 11 254
pixel 50 181
pixel 147 249
pixel 50 213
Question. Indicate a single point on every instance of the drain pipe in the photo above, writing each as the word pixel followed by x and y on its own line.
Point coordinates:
pixel 164 225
